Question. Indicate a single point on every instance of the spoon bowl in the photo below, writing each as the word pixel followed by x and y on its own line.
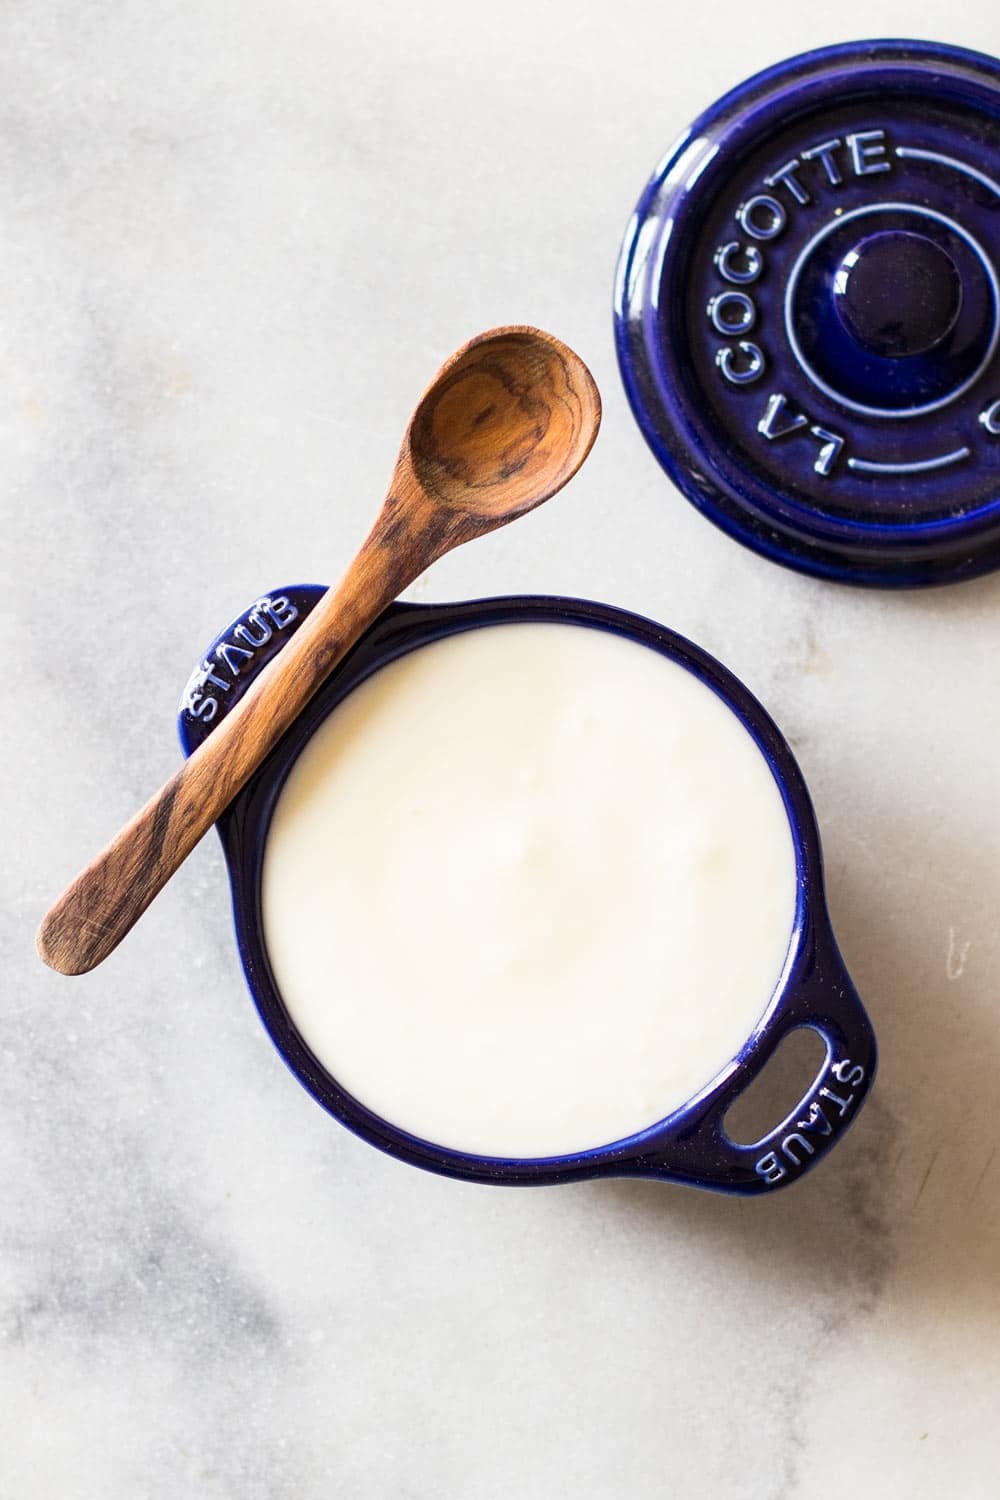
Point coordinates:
pixel 509 419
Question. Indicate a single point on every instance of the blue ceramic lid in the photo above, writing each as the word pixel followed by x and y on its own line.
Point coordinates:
pixel 807 313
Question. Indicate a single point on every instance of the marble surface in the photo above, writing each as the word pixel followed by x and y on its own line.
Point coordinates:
pixel 236 242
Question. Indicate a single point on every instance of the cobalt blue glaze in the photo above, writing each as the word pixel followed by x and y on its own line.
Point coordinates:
pixel 688 1146
pixel 807 313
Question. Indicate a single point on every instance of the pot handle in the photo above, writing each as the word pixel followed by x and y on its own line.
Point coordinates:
pixel 236 657
pixel 818 994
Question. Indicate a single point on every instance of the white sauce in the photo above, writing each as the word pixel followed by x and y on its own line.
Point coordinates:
pixel 528 889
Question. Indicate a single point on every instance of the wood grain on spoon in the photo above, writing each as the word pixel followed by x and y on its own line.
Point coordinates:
pixel 505 423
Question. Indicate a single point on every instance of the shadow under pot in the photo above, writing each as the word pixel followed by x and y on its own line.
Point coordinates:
pixel 531 892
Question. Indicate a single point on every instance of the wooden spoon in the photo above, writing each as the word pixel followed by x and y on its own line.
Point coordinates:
pixel 505 423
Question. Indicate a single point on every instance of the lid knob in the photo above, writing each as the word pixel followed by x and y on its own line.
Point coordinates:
pixel 897 293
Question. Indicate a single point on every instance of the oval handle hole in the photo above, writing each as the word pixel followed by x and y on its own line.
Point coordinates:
pixel 786 1078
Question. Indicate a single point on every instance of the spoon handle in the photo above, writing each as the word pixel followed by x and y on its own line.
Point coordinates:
pixel 105 901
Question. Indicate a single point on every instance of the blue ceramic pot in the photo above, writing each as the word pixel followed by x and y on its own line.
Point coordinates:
pixel 807 313
pixel 688 1146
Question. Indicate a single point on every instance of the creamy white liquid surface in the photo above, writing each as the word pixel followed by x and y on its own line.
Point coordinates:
pixel 528 889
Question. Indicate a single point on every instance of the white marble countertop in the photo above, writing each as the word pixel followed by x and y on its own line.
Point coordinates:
pixel 236 242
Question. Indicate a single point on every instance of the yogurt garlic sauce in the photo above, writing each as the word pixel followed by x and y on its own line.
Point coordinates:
pixel 528 889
